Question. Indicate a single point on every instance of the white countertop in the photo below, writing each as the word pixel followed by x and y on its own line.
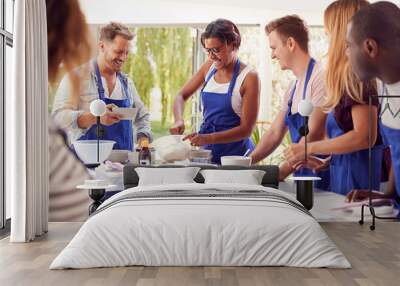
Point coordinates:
pixel 328 206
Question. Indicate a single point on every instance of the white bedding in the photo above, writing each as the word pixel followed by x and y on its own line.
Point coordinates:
pixel 183 231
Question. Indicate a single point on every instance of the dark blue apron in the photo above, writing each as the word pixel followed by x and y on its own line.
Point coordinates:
pixel 218 115
pixel 120 132
pixel 350 171
pixel 391 137
pixel 294 122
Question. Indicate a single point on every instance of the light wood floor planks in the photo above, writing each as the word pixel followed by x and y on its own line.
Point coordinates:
pixel 375 257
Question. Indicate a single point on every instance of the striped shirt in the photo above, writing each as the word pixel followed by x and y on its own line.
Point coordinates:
pixel 66 203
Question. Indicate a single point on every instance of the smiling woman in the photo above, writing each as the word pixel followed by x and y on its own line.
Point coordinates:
pixel 229 97
pixel 218 37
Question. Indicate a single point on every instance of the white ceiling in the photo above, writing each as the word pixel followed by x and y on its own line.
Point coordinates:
pixel 281 5
pixel 176 12
pixel 296 6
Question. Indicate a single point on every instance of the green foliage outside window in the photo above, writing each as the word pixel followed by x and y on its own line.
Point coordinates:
pixel 163 59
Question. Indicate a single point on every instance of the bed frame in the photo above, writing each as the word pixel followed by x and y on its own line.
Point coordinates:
pixel 270 179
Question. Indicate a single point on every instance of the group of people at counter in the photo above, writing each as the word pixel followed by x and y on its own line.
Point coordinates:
pixel 363 61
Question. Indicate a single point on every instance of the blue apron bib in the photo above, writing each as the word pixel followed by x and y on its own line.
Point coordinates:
pixel 294 122
pixel 218 115
pixel 120 132
pixel 391 137
pixel 350 171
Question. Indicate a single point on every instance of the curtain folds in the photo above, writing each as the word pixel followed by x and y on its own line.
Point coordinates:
pixel 27 124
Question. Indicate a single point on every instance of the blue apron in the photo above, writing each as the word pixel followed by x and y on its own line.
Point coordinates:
pixel 294 122
pixel 218 115
pixel 120 132
pixel 391 137
pixel 350 171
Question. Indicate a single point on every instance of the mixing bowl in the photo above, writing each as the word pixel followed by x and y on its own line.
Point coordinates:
pixel 236 160
pixel 87 150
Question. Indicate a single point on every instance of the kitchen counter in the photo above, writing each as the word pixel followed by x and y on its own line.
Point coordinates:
pixel 327 207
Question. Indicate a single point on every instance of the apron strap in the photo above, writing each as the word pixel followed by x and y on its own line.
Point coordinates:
pixel 308 76
pixel 122 79
pixel 124 82
pixel 290 101
pixel 99 82
pixel 310 69
pixel 234 77
pixel 210 75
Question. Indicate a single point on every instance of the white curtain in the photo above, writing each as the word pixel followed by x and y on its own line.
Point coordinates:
pixel 26 120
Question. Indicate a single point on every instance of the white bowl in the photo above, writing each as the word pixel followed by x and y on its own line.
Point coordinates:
pixel 87 150
pixel 168 139
pixel 200 156
pixel 118 156
pixel 236 160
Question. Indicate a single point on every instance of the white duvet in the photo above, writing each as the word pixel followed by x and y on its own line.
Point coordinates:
pixel 201 231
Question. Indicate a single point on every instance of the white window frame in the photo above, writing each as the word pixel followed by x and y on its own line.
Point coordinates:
pixel 6 39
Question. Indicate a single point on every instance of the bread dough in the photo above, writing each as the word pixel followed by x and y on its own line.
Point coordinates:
pixel 172 148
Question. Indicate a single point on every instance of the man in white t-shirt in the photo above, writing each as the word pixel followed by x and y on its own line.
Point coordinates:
pixel 288 39
pixel 102 78
pixel 373 38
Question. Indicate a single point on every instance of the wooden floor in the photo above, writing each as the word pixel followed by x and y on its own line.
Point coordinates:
pixel 375 257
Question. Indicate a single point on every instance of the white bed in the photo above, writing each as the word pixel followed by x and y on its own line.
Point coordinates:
pixel 264 229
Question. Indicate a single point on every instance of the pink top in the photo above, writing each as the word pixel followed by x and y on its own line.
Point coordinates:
pixel 315 89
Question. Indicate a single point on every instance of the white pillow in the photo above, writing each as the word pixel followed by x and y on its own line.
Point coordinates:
pixel 248 177
pixel 166 176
